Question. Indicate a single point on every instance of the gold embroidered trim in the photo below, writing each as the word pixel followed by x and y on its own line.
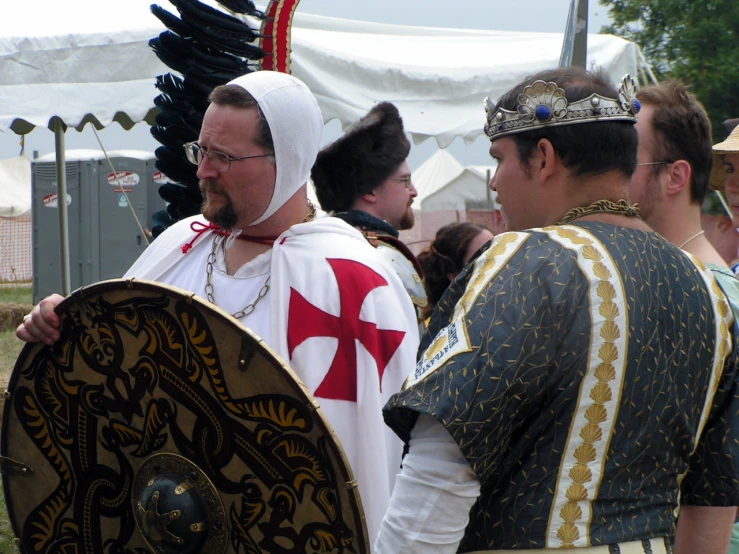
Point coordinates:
pixel 725 316
pixel 601 393
pixel 488 265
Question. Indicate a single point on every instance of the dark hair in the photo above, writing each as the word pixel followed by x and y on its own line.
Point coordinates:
pixel 238 97
pixel 682 132
pixel 360 160
pixel 445 255
pixel 585 148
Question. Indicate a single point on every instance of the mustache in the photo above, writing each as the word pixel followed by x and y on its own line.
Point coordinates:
pixel 210 186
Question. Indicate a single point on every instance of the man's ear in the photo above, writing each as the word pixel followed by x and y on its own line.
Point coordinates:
pixel 679 174
pixel 370 197
pixel 544 160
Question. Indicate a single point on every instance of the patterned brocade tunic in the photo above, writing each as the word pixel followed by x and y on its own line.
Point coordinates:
pixel 587 373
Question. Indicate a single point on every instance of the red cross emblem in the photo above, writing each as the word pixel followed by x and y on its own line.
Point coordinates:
pixel 305 321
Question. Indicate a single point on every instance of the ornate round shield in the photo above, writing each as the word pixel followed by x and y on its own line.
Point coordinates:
pixel 159 423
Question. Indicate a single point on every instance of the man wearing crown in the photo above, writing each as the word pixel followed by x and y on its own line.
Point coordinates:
pixel 577 382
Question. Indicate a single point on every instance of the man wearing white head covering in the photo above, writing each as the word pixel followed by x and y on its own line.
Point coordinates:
pixel 259 253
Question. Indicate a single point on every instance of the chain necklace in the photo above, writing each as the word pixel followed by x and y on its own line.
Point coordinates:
pixel 311 215
pixel 699 233
pixel 601 207
pixel 210 290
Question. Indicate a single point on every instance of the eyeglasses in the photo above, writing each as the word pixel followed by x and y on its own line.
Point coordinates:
pixel 655 163
pixel 406 180
pixel 218 160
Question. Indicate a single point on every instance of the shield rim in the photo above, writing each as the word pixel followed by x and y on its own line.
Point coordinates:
pixel 299 388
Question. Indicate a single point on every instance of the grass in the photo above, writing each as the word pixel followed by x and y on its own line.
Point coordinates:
pixel 13 301
pixel 10 348
pixel 16 295
pixel 7 538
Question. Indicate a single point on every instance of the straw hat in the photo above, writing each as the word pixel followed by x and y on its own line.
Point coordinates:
pixel 729 146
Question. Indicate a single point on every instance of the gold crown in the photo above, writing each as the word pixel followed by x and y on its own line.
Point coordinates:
pixel 543 104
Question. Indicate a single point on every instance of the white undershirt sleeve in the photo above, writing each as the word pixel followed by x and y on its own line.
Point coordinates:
pixel 432 498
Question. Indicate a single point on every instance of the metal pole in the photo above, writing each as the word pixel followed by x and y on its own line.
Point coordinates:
pixel 61 196
pixel 487 188
pixel 645 65
pixel 575 43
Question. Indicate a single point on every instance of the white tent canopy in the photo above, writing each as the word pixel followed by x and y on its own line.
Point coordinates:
pixel 15 187
pixel 82 62
pixel 445 184
pixel 437 77
pixel 66 64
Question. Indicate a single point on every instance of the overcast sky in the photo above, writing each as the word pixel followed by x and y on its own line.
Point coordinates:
pixel 525 15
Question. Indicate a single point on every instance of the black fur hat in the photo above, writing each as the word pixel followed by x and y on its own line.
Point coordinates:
pixel 354 165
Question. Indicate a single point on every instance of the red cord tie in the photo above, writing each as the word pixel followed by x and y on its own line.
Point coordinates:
pixel 199 228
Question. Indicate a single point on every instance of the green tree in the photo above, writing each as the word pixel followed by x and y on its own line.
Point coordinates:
pixel 695 41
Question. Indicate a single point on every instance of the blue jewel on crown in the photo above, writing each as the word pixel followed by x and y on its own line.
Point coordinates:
pixel 543 104
pixel 543 113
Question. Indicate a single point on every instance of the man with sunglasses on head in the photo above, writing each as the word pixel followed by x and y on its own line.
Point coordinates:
pixel 298 281
pixel 364 179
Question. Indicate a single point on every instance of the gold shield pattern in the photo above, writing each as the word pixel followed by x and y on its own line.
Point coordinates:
pixel 144 370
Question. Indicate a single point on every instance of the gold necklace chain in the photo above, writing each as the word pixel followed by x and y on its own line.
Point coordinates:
pixel 601 207
pixel 210 290
pixel 311 215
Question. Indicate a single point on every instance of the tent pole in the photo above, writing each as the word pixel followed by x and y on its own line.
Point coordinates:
pixel 575 43
pixel 61 196
pixel 488 192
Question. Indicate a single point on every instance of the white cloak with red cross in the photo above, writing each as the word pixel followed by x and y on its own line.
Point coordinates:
pixel 343 321
pixel 338 315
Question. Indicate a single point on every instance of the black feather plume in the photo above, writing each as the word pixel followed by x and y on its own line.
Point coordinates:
pixel 168 136
pixel 173 163
pixel 192 86
pixel 242 6
pixel 198 14
pixel 219 60
pixel 172 22
pixel 173 50
pixel 171 85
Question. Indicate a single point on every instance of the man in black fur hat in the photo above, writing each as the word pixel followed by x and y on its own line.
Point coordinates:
pixel 364 179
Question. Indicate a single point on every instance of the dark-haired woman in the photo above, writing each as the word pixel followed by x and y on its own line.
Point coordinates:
pixel 453 247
